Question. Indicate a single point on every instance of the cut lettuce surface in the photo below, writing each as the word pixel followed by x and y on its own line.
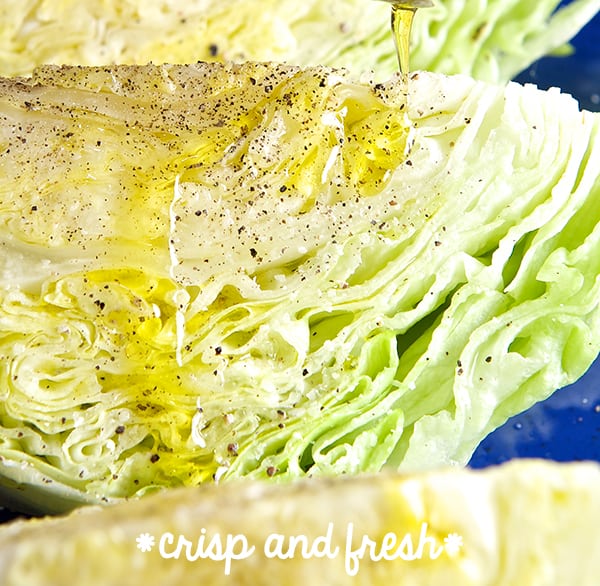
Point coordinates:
pixel 210 272
pixel 492 40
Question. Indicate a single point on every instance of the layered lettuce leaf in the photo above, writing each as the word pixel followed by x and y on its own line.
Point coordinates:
pixel 210 272
pixel 491 40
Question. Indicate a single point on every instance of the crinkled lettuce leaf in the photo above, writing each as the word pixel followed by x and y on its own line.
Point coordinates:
pixel 210 272
pixel 491 40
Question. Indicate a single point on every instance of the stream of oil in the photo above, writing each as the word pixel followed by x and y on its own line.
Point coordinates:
pixel 403 13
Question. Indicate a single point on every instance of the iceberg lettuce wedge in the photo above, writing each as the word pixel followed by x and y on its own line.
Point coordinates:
pixel 210 272
pixel 525 522
pixel 491 40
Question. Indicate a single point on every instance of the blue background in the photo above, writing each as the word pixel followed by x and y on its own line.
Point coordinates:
pixel 566 426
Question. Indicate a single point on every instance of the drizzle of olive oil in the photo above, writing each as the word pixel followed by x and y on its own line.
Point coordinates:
pixel 402 19
pixel 403 13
